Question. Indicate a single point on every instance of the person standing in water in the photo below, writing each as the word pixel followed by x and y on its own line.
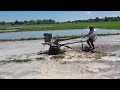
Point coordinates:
pixel 92 36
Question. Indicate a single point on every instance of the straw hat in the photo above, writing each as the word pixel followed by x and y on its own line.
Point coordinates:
pixel 91 27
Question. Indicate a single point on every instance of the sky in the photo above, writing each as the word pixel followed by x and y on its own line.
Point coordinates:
pixel 60 16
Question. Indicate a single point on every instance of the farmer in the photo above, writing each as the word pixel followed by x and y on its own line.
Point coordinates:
pixel 91 37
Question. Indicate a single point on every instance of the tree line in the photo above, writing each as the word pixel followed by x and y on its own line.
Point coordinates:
pixel 97 19
pixel 31 22
pixel 50 21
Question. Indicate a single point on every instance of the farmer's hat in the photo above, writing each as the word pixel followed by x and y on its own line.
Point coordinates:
pixel 91 27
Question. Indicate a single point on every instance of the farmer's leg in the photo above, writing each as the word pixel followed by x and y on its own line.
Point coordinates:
pixel 88 41
pixel 92 44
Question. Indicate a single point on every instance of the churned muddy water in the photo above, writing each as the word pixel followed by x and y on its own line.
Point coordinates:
pixel 20 60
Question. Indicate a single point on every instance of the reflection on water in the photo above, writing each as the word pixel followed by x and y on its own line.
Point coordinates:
pixel 39 34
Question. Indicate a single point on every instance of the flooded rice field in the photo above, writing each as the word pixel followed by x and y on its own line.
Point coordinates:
pixel 20 60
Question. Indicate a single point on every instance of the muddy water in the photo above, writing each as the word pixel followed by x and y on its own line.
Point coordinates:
pixel 20 60
pixel 71 65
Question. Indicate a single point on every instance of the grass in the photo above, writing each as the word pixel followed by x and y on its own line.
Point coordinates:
pixel 64 26
pixel 55 27
pixel 104 25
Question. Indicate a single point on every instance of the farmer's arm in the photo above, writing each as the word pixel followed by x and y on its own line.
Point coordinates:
pixel 89 34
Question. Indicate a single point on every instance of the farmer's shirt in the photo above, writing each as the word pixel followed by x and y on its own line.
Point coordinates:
pixel 92 35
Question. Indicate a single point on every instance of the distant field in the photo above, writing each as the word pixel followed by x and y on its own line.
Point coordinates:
pixel 65 26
